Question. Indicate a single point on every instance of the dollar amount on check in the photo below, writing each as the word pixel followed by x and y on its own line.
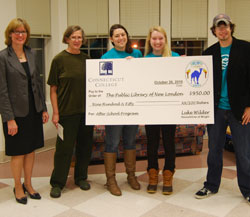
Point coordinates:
pixel 164 90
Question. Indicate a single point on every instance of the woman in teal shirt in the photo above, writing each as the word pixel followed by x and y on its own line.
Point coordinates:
pixel 122 49
pixel 157 46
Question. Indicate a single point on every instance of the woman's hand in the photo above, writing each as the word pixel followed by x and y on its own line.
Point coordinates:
pixel 53 98
pixel 12 127
pixel 45 116
pixel 55 119
pixel 129 57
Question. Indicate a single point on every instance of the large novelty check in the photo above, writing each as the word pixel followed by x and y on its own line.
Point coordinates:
pixel 164 90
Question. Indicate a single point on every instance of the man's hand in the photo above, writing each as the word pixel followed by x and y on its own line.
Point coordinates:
pixel 246 116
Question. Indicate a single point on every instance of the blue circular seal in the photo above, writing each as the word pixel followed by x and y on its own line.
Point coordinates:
pixel 196 73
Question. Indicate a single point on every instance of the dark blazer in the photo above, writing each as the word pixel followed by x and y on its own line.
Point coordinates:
pixel 14 101
pixel 238 75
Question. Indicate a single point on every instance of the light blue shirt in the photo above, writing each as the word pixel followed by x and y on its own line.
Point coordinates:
pixel 116 54
pixel 174 54
pixel 224 101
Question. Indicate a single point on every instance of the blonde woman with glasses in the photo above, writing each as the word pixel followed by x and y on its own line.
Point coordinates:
pixel 22 106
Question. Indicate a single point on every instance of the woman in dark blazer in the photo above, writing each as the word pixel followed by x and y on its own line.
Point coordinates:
pixel 22 106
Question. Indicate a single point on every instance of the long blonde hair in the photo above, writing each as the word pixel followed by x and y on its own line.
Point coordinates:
pixel 148 48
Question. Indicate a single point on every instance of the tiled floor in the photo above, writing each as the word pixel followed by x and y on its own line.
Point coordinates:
pixel 97 202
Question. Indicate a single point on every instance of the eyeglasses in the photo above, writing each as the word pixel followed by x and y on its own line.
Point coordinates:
pixel 73 38
pixel 20 32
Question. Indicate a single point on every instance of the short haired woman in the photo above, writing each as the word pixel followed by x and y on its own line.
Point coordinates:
pixel 67 80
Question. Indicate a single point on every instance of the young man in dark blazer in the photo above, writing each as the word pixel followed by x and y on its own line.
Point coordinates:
pixel 231 75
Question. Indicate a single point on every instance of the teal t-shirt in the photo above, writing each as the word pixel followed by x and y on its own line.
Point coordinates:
pixel 174 54
pixel 224 101
pixel 116 54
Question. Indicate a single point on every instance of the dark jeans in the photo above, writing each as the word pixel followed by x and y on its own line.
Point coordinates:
pixel 153 137
pixel 113 136
pixel 216 141
pixel 77 134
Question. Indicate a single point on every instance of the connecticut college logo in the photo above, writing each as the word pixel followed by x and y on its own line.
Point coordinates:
pixel 196 73
pixel 106 68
